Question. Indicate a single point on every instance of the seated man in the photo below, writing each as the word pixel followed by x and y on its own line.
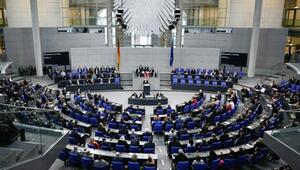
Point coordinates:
pixel 100 162
pixel 181 157
pixel 149 144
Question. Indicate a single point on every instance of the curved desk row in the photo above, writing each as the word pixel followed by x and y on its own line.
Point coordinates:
pixel 151 101
pixel 93 87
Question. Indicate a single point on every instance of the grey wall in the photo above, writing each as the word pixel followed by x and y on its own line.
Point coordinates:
pixel 271 44
pixel 19 44
pixel 156 57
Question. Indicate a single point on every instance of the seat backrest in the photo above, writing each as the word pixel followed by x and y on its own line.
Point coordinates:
pixel 117 165
pixel 133 165
pixel 149 168
pixel 120 148
pixel 134 149
pixel 183 165
pixel 86 162
pixel 149 150
pixel 174 149
pixel 200 166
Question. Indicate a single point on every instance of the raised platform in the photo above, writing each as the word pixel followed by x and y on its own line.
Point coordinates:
pixel 149 101
pixel 93 87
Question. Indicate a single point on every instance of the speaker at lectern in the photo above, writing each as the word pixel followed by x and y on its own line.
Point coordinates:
pixel 146 87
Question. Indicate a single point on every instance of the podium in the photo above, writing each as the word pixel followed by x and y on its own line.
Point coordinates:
pixel 147 89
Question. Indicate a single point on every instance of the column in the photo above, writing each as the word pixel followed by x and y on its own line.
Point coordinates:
pixel 36 38
pixel 109 22
pixel 179 25
pixel 254 38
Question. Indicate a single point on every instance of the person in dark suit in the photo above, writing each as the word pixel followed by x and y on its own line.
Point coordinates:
pixel 149 144
pixel 181 157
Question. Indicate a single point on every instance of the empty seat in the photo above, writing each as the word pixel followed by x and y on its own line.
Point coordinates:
pixel 121 148
pixel 134 149
pixel 86 162
pixel 183 165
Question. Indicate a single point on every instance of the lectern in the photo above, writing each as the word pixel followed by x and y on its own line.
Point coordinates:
pixel 147 89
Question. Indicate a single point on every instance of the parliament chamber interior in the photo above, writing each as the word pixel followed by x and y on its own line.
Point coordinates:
pixel 149 85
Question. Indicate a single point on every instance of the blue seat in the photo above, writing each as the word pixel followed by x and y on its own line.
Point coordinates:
pixel 117 80
pixel 206 83
pixel 184 137
pixel 99 133
pixel 215 164
pixel 174 80
pixel 168 127
pixel 146 138
pixel 135 127
pixel 229 163
pixel 243 159
pixel 182 81
pixel 217 119
pixel 190 81
pixel 134 149
pixel 112 125
pixel 78 117
pixel 204 148
pixel 72 140
pixel 190 149
pixel 149 150
pixel 169 111
pixel 63 155
pixel 217 145
pixel 149 168
pixel 106 148
pixel 86 162
pixel 158 127
pixel 94 121
pixel 100 167
pixel 200 166
pixel 236 127
pixel 74 159
pixel 214 83
pixel 86 119
pixel 121 148
pixel 133 165
pixel 191 125
pixel 228 143
pixel 117 165
pixel 91 146
pixel 186 109
pixel 179 126
pixel 183 165
pixel 160 111
pixel 223 84
pixel 174 149
pixel 198 82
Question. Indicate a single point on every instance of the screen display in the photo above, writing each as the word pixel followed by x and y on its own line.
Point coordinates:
pixel 57 58
pixel 234 59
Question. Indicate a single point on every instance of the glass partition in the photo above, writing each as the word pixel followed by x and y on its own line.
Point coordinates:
pixel 26 133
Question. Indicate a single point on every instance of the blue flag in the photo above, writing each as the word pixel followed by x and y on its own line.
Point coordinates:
pixel 171 55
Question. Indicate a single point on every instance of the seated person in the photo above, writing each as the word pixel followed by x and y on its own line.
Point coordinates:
pixel 134 158
pixel 95 143
pixel 117 158
pixel 181 157
pixel 197 161
pixel 105 144
pixel 100 162
pixel 150 162
pixel 122 141
pixel 149 144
